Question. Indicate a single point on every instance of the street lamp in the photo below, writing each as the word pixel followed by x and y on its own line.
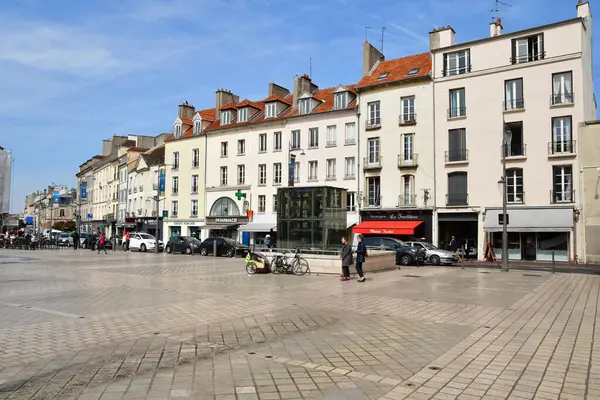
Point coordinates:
pixel 506 138
pixel 292 162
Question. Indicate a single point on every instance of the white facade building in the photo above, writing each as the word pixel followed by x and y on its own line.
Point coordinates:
pixel 5 180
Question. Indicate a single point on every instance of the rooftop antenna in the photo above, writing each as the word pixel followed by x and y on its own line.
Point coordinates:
pixel 496 9
pixel 367 33
pixel 310 67
pixel 382 32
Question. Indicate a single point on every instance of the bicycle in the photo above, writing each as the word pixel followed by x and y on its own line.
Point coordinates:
pixel 298 266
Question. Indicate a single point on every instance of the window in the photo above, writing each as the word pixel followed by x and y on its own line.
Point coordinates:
pixel 313 138
pixel 373 192
pixel 262 143
pixel 313 171
pixel 413 71
pixel 241 147
pixel 373 151
pixel 194 208
pixel 350 201
pixel 262 203
pixel 61 212
pixel 407 198
pixel 383 75
pixel 528 49
pixel 295 140
pixel 374 115
pixel 274 203
pixel 271 110
pixel 277 173
pixel 457 145
pixel 350 166
pixel 331 136
pixel 330 169
pixel 458 104
pixel 408 147
pixel 241 174
pixel 305 106
pixel 174 208
pixel 224 206
pixel 350 135
pixel 175 187
pixel 514 139
pixel 194 183
pixel 177 131
pixel 297 171
pixel 262 174
pixel 513 94
pixel 456 63
pixel 175 160
pixel 563 184
pixel 195 158
pixel 562 139
pixel 224 149
pixel 562 88
pixel 340 100
pixel 225 117
pixel 223 176
pixel 197 127
pixel 243 114
pixel 457 189
pixel 407 113
pixel 277 141
pixel 514 185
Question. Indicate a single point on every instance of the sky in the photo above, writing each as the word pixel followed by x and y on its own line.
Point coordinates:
pixel 75 72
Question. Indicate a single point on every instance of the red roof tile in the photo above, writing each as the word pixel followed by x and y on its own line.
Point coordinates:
pixel 275 97
pixel 397 70
pixel 253 104
pixel 326 97
pixel 187 121
pixel 228 106
pixel 206 115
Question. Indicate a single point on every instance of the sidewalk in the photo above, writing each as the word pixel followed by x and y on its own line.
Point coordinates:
pixel 538 266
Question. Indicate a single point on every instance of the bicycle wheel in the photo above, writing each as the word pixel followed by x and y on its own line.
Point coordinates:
pixel 300 266
pixel 251 268
pixel 276 265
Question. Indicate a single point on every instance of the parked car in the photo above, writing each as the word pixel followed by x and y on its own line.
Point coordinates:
pixel 83 239
pixel 225 246
pixel 65 239
pixel 433 254
pixel 183 244
pixel 143 242
pixel 405 254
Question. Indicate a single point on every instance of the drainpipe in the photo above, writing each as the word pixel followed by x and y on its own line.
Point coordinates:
pixel 358 177
pixel 205 155
pixel 434 216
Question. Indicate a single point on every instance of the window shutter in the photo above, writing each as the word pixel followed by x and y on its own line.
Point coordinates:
pixel 514 51
pixel 445 67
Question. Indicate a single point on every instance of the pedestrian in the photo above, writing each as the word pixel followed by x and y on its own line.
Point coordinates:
pixel 347 259
pixel 102 244
pixel 75 240
pixel 267 241
pixel 361 257
pixel 127 240
pixel 466 250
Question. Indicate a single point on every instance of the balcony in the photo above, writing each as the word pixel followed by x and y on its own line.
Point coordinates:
pixel 155 186
pixel 457 199
pixel 459 112
pixel 140 212
pixel 372 124
pixel 373 202
pixel 408 160
pixel 514 105
pixel 349 176
pixel 134 190
pixel 565 148
pixel 457 156
pixel 331 143
pixel 407 201
pixel 329 177
pixel 515 198
pixel 130 191
pixel 372 163
pixel 110 217
pixel 515 151
pixel 141 188
pixel 559 197
pixel 562 99
pixel 407 119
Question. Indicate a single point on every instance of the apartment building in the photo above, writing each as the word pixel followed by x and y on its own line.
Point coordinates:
pixel 396 137
pixel 185 173
pixel 52 205
pixel 5 180
pixel 529 89
pixel 85 192
pixel 588 148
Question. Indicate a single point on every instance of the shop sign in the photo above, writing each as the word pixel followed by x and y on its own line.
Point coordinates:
pixel 186 223
pixel 227 220
pixel 393 215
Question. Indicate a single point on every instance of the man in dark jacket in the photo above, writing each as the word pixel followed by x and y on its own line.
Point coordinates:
pixel 347 259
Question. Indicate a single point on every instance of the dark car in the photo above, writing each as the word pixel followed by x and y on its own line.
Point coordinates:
pixel 183 244
pixel 225 247
pixel 405 254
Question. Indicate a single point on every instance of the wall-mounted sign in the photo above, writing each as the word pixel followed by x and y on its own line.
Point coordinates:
pixel 227 220
pixel 56 197
pixel 83 191
pixel 161 181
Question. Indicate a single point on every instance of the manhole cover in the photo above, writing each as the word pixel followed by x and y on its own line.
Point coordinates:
pixel 433 368
pixel 532 275
pixel 412 276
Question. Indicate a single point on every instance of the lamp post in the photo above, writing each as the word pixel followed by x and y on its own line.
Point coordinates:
pixel 507 133
pixel 160 186
pixel 292 163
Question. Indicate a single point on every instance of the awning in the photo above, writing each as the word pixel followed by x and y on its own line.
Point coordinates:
pixel 531 220
pixel 258 227
pixel 103 226
pixel 387 227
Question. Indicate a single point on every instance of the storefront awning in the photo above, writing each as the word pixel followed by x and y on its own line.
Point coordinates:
pixel 387 227
pixel 531 220
pixel 258 227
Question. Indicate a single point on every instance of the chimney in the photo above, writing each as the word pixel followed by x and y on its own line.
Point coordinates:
pixel 441 37
pixel 496 28
pixel 275 89
pixel 303 84
pixel 583 9
pixel 370 57
pixel 186 110
pixel 225 96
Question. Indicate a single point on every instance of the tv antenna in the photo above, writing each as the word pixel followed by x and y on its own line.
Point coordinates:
pixel 310 67
pixel 367 33
pixel 496 9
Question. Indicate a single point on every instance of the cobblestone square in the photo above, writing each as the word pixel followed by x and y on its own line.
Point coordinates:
pixel 77 325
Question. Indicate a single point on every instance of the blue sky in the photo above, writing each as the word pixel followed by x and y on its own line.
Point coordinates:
pixel 76 72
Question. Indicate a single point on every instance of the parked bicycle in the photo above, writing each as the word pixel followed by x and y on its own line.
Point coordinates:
pixel 297 266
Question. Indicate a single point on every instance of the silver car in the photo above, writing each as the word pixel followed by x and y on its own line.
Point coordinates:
pixel 435 255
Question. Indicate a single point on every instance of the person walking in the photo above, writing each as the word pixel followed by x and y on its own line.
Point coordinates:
pixel 453 247
pixel 127 240
pixel 102 243
pixel 466 250
pixel 361 255
pixel 347 259
pixel 75 240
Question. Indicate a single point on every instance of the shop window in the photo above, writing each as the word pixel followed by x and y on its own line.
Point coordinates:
pixel 224 207
pixel 514 245
pixel 547 242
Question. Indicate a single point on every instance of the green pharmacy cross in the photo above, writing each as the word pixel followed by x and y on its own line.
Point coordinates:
pixel 239 194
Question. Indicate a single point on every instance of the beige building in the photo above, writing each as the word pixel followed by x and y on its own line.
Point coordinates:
pixel 589 186
pixel 47 212
pixel 539 82
pixel 85 200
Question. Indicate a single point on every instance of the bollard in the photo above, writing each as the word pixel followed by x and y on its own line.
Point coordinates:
pixel 553 263
pixel 462 263
pixel 114 244
pixel 215 248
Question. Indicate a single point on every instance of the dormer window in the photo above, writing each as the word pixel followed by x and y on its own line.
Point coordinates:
pixel 305 106
pixel 413 71
pixel 383 75
pixel 243 114
pixel 271 111
pixel 225 117
pixel 177 131
pixel 197 127
pixel 341 100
